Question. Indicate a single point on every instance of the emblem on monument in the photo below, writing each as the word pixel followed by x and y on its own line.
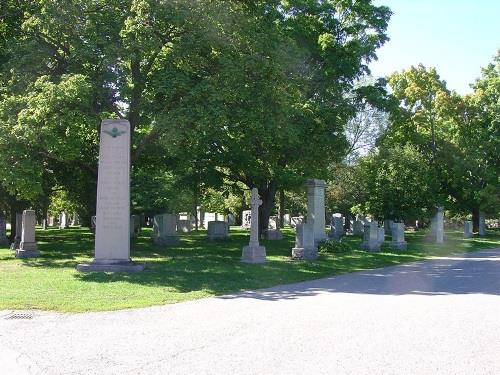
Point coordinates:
pixel 114 132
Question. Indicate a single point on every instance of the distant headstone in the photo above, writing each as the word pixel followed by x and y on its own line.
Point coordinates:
pixel 112 237
pixel 358 227
pixel 398 236
pixel 44 224
pixel 51 221
pixel 482 224
pixel 388 225
pixel 371 237
pixel 296 220
pixel 93 220
pixel 217 230
pixel 337 227
pixel 273 222
pixel 27 247
pixel 184 226
pixel 273 232
pixel 246 219
pixel 3 232
pixel 19 231
pixel 231 220
pixel 63 221
pixel 381 234
pixel 254 253
pixel 316 207
pixel 467 229
pixel 164 229
pixel 305 246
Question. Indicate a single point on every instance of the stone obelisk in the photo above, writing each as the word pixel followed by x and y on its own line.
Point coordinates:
pixel 112 238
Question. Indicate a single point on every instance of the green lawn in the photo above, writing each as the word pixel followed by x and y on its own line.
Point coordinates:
pixel 195 268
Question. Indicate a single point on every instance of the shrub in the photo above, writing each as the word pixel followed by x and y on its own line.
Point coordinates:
pixel 331 246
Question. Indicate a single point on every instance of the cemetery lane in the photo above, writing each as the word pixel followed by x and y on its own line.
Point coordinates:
pixel 438 316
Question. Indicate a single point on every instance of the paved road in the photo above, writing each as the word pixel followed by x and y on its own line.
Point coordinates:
pixel 433 317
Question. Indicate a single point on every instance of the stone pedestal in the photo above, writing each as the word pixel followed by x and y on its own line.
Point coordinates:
pixel 398 236
pixel 467 229
pixel 184 226
pixel 112 237
pixel 482 224
pixel 371 237
pixel 337 228
pixel 437 226
pixel 4 242
pixel 27 247
pixel 316 207
pixel 164 229
pixel 254 253
pixel 217 230
pixel 305 245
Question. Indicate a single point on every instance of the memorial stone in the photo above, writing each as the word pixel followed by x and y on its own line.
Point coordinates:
pixel 388 225
pixel 467 229
pixel 200 212
pixel 231 219
pixel 3 232
pixel 482 224
pixel 63 221
pixel 305 246
pixel 246 219
pixel 254 253
pixel 112 234
pixel 398 236
pixel 44 224
pixel 286 219
pixel 19 231
pixel 371 237
pixel 437 226
pixel 337 227
pixel 27 247
pixel 217 230
pixel 184 226
pixel 316 207
pixel 51 221
pixel 296 220
pixel 381 234
pixel 164 229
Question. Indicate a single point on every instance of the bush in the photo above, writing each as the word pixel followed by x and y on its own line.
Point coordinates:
pixel 331 246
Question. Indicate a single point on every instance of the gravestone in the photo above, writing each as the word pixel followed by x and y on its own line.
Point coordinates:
pixel 286 219
pixel 3 232
pixel 371 237
pixel 51 221
pixel 63 221
pixel 273 232
pixel 316 207
pixel 164 229
pixel 44 224
pixel 296 220
pixel 217 230
pixel 482 224
pixel 27 247
pixel 231 219
pixel 467 229
pixel 437 226
pixel 200 213
pixel 112 233
pixel 337 227
pixel 246 219
pixel 398 236
pixel 381 234
pixel 133 223
pixel 305 246
pixel 358 227
pixel 184 226
pixel 254 253
pixel 19 231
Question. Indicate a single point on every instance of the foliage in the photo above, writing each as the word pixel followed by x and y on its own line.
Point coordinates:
pixel 331 246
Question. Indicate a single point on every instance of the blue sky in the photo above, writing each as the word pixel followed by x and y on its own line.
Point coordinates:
pixel 457 37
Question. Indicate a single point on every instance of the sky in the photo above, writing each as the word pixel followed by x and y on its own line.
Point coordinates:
pixel 457 37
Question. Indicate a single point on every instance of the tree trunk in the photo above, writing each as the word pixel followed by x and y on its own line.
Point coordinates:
pixel 196 199
pixel 282 209
pixel 347 224
pixel 267 194
pixel 475 220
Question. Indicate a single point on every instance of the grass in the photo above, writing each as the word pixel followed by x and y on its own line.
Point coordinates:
pixel 193 269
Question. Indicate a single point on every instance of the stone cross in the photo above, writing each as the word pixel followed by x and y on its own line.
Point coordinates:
pixel 255 202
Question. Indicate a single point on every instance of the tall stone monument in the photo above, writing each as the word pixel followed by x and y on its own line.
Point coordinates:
pixel 3 232
pixel 112 237
pixel 371 237
pixel 27 247
pixel 19 230
pixel 254 253
pixel 63 221
pixel 482 224
pixel 437 226
pixel 316 207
